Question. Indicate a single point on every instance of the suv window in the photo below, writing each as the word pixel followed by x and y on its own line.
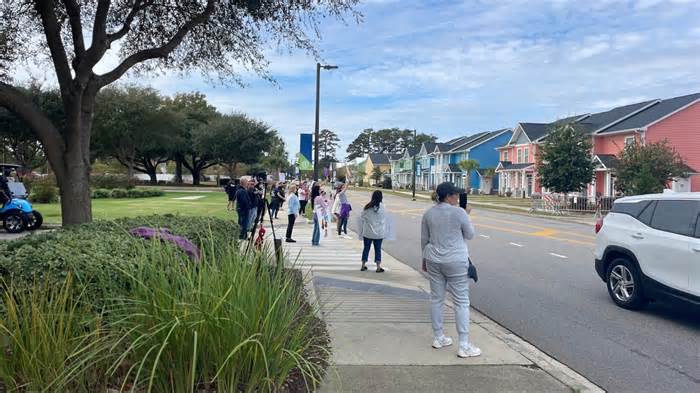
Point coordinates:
pixel 647 214
pixel 631 208
pixel 675 216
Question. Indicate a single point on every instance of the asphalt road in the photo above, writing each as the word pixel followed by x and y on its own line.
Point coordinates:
pixel 536 277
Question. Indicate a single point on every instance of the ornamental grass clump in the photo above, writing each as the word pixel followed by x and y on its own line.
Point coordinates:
pixel 229 323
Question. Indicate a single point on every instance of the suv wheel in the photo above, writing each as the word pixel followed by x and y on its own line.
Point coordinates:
pixel 625 284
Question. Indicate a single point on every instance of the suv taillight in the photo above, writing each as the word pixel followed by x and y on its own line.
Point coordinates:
pixel 598 223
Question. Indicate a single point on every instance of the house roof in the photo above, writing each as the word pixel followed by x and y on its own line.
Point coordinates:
pixel 394 157
pixel 509 166
pixel 653 113
pixel 535 131
pixel 412 151
pixel 429 146
pixel 468 141
pixel 379 158
pixel 443 147
pixel 608 160
pixel 596 121
pixel 454 168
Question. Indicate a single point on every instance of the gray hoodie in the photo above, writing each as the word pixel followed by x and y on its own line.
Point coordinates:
pixel 372 222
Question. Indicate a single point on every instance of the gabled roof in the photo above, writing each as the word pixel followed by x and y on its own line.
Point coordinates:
pixel 535 131
pixel 379 158
pixel 609 161
pixel 443 147
pixel 468 141
pixel 597 121
pixel 654 113
pixel 394 157
pixel 429 147
pixel 411 151
pixel 509 166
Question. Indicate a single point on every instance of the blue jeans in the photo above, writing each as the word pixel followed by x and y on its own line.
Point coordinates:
pixel 243 216
pixel 450 277
pixel 377 250
pixel 316 237
pixel 252 216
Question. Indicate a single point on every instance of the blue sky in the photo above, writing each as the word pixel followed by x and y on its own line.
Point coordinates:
pixel 458 67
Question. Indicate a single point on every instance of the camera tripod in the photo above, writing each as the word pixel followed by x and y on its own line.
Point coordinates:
pixel 259 220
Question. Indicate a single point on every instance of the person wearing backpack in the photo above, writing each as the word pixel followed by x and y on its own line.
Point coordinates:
pixel 371 230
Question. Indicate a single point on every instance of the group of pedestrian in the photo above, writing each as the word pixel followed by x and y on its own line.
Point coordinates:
pixel 445 230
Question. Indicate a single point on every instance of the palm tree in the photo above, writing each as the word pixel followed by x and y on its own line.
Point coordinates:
pixel 468 166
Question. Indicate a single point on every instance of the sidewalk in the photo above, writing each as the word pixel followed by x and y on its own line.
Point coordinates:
pixel 525 211
pixel 381 333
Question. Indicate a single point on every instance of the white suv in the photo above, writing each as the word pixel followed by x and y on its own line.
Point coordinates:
pixel 648 247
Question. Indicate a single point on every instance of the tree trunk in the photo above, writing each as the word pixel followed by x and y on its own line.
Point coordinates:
pixel 153 176
pixel 178 170
pixel 196 174
pixel 76 207
pixel 196 171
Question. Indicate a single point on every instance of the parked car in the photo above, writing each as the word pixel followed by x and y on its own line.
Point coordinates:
pixel 648 247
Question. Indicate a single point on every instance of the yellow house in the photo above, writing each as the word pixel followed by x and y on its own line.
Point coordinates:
pixel 375 160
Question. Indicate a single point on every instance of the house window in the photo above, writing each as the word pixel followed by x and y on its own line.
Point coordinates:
pixel 505 155
pixel 629 140
pixel 527 154
pixel 520 156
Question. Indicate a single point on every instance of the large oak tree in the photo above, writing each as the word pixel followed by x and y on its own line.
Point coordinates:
pixel 215 37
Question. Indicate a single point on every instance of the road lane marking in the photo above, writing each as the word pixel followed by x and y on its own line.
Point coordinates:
pixel 502 229
pixel 516 244
pixel 485 236
pixel 558 256
pixel 542 229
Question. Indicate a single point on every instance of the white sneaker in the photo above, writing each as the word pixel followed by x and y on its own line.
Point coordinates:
pixel 443 341
pixel 468 351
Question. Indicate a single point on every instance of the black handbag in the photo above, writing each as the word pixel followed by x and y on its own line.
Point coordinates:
pixel 471 271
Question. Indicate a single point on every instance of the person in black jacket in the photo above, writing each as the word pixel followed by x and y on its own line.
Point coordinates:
pixel 244 205
pixel 231 188
pixel 5 193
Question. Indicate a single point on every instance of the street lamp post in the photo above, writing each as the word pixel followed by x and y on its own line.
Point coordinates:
pixel 318 93
pixel 415 153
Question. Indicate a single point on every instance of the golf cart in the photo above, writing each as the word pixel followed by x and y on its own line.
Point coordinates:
pixel 16 213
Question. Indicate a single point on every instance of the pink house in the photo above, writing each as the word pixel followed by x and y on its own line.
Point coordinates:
pixel 676 120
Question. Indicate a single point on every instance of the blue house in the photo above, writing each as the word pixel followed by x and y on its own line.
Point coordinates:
pixel 445 157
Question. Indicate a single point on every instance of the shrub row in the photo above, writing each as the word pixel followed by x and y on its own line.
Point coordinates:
pixel 120 193
pixel 110 181
pixel 89 251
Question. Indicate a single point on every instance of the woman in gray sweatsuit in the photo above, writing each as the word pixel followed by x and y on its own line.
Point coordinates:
pixel 371 230
pixel 445 229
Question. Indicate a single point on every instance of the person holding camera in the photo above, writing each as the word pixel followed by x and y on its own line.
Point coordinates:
pixel 445 229
pixel 244 205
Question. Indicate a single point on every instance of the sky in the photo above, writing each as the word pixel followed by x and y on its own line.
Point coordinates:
pixel 453 68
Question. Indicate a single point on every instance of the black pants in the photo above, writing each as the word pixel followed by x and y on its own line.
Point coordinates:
pixel 290 225
pixel 302 205
pixel 261 213
pixel 342 225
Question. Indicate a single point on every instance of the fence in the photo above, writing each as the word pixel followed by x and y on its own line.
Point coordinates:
pixel 558 204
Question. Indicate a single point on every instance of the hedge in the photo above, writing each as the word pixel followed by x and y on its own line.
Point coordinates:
pixel 120 193
pixel 89 251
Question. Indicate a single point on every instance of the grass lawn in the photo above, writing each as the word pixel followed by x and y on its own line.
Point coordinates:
pixel 211 204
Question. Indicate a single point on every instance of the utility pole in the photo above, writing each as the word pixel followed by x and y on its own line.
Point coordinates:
pixel 415 153
pixel 318 99
pixel 316 137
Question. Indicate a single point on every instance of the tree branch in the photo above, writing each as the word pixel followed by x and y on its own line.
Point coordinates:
pixel 159 52
pixel 73 10
pixel 52 31
pixel 23 107
pixel 99 29
pixel 138 6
